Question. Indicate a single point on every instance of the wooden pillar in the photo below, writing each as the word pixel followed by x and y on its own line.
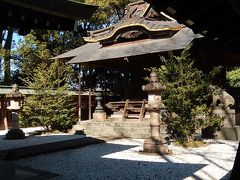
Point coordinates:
pixel 90 104
pixel 79 98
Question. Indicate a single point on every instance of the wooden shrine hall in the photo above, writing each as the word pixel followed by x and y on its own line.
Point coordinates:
pixel 135 43
pixel 139 38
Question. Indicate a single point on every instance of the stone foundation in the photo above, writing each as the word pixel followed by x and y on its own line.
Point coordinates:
pixel 99 116
pixel 154 146
pixel 227 114
pixel 129 129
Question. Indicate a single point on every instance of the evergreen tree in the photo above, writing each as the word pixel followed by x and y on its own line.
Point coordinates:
pixel 50 105
pixel 233 77
pixel 108 13
pixel 186 95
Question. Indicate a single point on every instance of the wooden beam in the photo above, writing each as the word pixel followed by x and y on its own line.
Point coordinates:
pixel 79 98
pixel 199 12
pixel 90 104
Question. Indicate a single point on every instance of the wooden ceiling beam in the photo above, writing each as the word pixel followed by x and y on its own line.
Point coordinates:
pixel 198 11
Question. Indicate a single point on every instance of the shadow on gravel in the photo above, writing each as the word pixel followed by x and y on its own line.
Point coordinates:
pixel 227 176
pixel 88 163
pixel 32 146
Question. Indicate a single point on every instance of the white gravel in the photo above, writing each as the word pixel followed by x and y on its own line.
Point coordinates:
pixel 33 140
pixel 120 159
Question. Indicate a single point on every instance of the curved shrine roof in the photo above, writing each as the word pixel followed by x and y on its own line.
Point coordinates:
pixel 139 17
pixel 142 31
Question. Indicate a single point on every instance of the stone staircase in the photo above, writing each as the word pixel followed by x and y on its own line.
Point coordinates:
pixel 131 128
pixel 134 129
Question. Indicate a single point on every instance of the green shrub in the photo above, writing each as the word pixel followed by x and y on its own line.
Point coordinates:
pixel 51 105
pixel 186 95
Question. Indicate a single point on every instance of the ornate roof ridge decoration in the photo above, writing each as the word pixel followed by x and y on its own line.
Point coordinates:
pixel 140 21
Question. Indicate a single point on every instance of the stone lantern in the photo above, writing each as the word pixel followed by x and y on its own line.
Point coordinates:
pixel 155 144
pixel 16 100
pixel 99 113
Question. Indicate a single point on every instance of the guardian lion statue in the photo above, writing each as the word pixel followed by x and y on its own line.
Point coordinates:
pixel 221 98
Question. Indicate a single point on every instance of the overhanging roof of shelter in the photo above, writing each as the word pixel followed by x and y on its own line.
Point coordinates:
pixel 45 14
pixel 96 52
pixel 142 31
pixel 218 20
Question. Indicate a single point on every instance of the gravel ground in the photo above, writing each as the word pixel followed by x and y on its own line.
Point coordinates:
pixel 120 159
pixel 33 140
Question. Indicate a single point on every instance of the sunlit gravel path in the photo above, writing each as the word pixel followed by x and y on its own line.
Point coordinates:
pixel 120 159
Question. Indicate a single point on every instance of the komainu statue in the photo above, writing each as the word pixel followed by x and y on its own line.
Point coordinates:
pixel 221 98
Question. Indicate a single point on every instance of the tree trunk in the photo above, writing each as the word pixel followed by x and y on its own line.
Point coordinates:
pixel 7 57
pixel 236 167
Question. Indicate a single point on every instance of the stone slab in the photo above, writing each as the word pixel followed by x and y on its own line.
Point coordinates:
pixel 97 128
pixel 133 129
pixel 22 152
pixel 140 135
pixel 112 124
pixel 129 124
pixel 99 116
pixel 140 131
pixel 9 171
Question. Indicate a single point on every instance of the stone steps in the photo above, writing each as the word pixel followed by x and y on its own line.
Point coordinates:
pixel 130 129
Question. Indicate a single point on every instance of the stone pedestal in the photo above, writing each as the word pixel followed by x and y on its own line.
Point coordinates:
pixel 155 146
pixel 15 120
pixel 156 143
pixel 15 132
pixel 116 116
pixel 99 116
pixel 229 130
pixel 228 115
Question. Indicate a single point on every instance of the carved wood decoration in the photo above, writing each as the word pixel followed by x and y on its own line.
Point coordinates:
pixel 139 22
